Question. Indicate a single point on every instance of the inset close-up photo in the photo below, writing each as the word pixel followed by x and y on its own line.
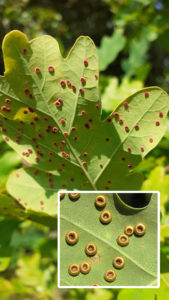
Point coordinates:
pixel 108 239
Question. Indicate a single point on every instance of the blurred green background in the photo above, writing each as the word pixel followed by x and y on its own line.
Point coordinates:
pixel 132 38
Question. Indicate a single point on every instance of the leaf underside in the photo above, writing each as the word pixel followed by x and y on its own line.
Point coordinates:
pixel 140 255
pixel 68 146
pixel 13 209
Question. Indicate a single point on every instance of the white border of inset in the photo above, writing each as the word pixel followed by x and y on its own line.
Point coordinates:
pixel 158 240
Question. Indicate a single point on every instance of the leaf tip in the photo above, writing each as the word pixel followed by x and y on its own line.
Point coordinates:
pixel 17 38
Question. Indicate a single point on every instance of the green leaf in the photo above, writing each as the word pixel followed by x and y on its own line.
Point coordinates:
pixel 99 294
pixel 109 49
pixel 29 272
pixel 96 155
pixel 140 255
pixel 6 230
pixel 149 163
pixel 164 256
pixel 12 208
pixel 167 131
pixel 164 231
pixel 5 288
pixel 164 228
pixel 147 294
pixel 138 52
pixel 114 92
pixel 31 279
pixel 5 258
pixel 8 161
pixel 161 185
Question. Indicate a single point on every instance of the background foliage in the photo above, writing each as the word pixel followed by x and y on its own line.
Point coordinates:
pixel 132 41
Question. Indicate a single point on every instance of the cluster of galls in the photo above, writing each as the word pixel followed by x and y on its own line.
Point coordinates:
pixel 139 230
pixel 91 249
pixel 74 269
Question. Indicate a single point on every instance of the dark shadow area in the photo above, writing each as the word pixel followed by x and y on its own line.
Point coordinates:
pixel 73 200
pixel 129 204
pixel 138 200
pixel 99 208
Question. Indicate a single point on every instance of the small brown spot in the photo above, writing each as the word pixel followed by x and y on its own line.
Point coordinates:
pixel 85 268
pixel 72 237
pixel 146 94
pixel 87 125
pixel 128 230
pixel 140 229
pixel 123 240
pixel 91 249
pixel 105 217
pixel 118 262
pixel 100 201
pixel 110 275
pixel 74 269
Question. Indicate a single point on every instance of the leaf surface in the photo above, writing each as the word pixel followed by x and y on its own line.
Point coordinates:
pixel 140 255
pixel 11 208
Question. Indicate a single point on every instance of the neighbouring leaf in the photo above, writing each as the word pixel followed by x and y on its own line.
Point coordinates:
pixel 8 161
pixel 167 132
pixel 138 52
pixel 149 163
pixel 5 258
pixel 140 255
pixel 165 142
pixel 114 92
pixel 6 230
pixel 164 231
pixel 164 256
pixel 110 47
pixel 147 294
pixel 67 141
pixel 99 294
pixel 30 273
pixel 158 180
pixel 5 288
pixel 31 278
